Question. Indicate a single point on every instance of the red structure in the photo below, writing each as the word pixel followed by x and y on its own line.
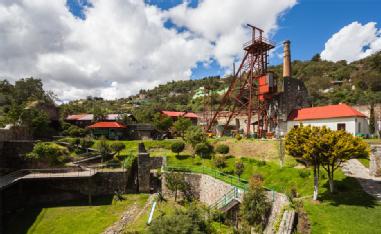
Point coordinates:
pixel 252 87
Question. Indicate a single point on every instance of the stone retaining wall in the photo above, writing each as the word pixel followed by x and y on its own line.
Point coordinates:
pixel 208 190
pixel 375 161
pixel 205 188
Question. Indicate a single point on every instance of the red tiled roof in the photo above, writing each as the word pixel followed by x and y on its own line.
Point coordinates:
pixel 325 112
pixel 107 125
pixel 180 114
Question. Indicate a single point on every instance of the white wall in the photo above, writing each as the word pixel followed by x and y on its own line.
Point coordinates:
pixel 352 124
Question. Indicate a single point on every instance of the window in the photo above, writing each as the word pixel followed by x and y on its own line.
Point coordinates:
pixel 341 126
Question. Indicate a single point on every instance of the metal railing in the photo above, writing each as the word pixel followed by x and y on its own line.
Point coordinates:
pixel 226 199
pixel 232 180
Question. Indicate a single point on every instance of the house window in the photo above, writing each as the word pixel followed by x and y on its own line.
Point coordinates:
pixel 341 126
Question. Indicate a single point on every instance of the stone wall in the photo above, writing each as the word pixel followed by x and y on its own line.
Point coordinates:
pixel 279 200
pixel 32 192
pixel 204 188
pixel 375 161
pixel 11 154
pixel 208 190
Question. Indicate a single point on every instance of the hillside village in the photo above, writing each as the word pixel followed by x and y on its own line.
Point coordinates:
pixel 287 148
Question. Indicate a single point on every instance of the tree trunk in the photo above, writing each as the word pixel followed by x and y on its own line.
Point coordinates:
pixel 176 195
pixel 316 182
pixel 331 185
pixel 316 187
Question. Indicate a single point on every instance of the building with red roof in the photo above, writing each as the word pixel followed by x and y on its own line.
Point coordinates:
pixel 180 114
pixel 335 117
pixel 111 130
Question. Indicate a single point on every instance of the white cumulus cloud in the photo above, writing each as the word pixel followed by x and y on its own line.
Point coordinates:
pixel 122 45
pixel 352 42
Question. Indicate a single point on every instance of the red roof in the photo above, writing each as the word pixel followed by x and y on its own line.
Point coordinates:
pixel 325 112
pixel 107 125
pixel 180 114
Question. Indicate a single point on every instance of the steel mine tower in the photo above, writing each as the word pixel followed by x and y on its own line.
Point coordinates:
pixel 252 87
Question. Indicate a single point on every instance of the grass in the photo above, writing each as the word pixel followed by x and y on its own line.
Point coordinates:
pixel 275 177
pixel 72 217
pixel 166 207
pixel 364 161
pixel 350 210
pixel 373 141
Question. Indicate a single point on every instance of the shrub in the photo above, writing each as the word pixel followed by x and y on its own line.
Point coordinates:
pixel 238 137
pixel 219 162
pixel 49 153
pixel 304 173
pixel 74 131
pixel 239 168
pixel 228 171
pixel 117 147
pixel 86 142
pixel 222 149
pixel 178 147
pixel 203 149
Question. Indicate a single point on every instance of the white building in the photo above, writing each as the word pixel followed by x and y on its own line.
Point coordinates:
pixel 335 117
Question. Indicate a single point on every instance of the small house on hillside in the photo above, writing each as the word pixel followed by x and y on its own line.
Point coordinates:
pixel 335 117
pixel 110 130
pixel 179 114
pixel 84 120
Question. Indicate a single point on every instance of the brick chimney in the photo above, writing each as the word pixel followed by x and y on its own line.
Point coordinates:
pixel 286 59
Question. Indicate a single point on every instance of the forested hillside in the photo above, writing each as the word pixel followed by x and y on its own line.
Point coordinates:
pixel 327 82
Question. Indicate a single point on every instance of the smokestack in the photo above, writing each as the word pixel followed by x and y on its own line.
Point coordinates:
pixel 286 59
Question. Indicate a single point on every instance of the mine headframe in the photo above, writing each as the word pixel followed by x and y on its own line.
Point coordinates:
pixel 251 89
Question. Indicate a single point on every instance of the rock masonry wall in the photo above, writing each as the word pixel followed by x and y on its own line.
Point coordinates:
pixel 375 161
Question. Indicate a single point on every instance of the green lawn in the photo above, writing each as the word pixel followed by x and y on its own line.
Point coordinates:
pixel 364 161
pixel 350 210
pixel 275 177
pixel 74 217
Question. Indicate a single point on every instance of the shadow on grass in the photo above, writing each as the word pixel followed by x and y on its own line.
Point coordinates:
pixel 21 220
pixel 348 192
pixel 182 157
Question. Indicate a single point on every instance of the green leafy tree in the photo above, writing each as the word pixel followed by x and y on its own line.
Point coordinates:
pixel 117 147
pixel 47 152
pixel 204 149
pixel 372 120
pixel 175 181
pixel 298 145
pixel 338 147
pixel 239 168
pixel 37 122
pixel 222 149
pixel 189 221
pixel 255 206
pixel 86 142
pixel 181 125
pixel 219 161
pixel 177 147
pixel 99 113
pixel 162 123
pixel 103 147
pixel 194 135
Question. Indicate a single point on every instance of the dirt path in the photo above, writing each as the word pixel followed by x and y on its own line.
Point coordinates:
pixel 371 185
pixel 129 216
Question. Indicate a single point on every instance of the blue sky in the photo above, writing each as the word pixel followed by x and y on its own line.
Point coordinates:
pixel 308 25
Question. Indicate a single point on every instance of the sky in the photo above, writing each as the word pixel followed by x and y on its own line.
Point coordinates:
pixel 114 48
